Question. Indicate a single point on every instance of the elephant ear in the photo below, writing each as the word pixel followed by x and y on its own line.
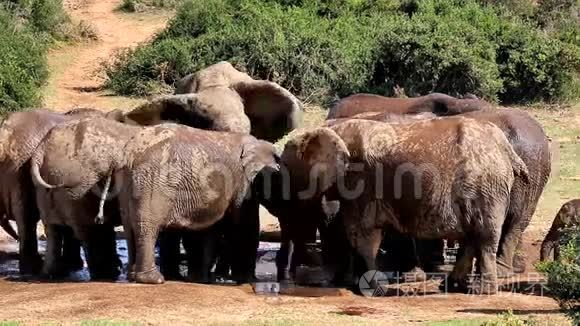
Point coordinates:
pixel 319 154
pixel 214 109
pixel 258 155
pixel 273 111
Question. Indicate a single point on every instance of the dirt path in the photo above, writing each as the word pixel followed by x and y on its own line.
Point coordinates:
pixel 75 79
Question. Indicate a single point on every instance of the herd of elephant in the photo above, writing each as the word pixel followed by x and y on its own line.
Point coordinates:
pixel 194 167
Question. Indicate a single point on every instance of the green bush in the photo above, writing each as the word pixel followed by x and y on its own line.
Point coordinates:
pixel 22 65
pixel 27 28
pixel 564 275
pixel 320 49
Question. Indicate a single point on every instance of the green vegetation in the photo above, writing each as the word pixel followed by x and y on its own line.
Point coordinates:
pixel 318 49
pixel 27 28
pixel 564 275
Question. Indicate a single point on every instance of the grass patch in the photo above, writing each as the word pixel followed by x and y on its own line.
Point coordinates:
pixel 562 125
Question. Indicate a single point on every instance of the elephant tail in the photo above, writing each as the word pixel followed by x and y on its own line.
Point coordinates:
pixel 5 224
pixel 520 168
pixel 36 177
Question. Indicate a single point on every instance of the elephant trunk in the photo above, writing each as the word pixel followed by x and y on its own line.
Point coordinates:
pixel 5 223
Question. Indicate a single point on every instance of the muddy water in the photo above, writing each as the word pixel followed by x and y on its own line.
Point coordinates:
pixel 265 265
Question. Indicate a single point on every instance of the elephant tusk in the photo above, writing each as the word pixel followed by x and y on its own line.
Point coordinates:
pixel 100 219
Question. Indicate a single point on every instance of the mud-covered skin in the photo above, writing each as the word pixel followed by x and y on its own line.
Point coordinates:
pixel 436 103
pixel 180 177
pixel 530 142
pixel 568 216
pixel 20 134
pixel 467 168
pixel 271 109
pixel 75 157
pixel 221 98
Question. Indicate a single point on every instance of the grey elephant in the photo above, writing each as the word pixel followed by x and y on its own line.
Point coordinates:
pixel 436 103
pixel 180 177
pixel 219 98
pixel 439 178
pixel 531 144
pixel 72 168
pixel 568 216
pixel 20 134
pixel 220 90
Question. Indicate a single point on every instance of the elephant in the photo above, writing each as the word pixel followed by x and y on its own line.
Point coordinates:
pixel 568 216
pixel 219 98
pixel 271 109
pixel 465 170
pixel 436 103
pixel 180 177
pixel 68 168
pixel 20 134
pixel 531 144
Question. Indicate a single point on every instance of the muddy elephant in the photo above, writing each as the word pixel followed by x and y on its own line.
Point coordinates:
pixel 436 103
pixel 20 134
pixel 222 98
pixel 180 177
pixel 568 216
pixel 440 178
pixel 71 169
pixel 219 98
pixel 531 144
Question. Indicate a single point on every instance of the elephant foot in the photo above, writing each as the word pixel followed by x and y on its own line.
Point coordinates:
pixel 504 270
pixel 454 286
pixel 415 275
pixel 149 277
pixel 483 287
pixel 105 275
pixel 74 265
pixel 31 265
pixel 519 263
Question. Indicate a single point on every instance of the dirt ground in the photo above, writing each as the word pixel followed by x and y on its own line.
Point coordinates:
pixel 75 81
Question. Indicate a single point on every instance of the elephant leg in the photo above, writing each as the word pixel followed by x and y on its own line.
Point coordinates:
pixel 550 243
pixel 284 255
pixel 52 268
pixel 25 212
pixel 224 258
pixel 556 252
pixel 246 239
pixel 457 280
pixel 145 236
pixel 367 247
pixel 201 247
pixel 488 265
pixel 102 257
pixel 130 239
pixel 71 251
pixel 170 254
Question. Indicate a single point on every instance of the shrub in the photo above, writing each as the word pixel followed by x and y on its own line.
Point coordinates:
pixel 22 65
pixel 320 49
pixel 564 275
pixel 27 28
